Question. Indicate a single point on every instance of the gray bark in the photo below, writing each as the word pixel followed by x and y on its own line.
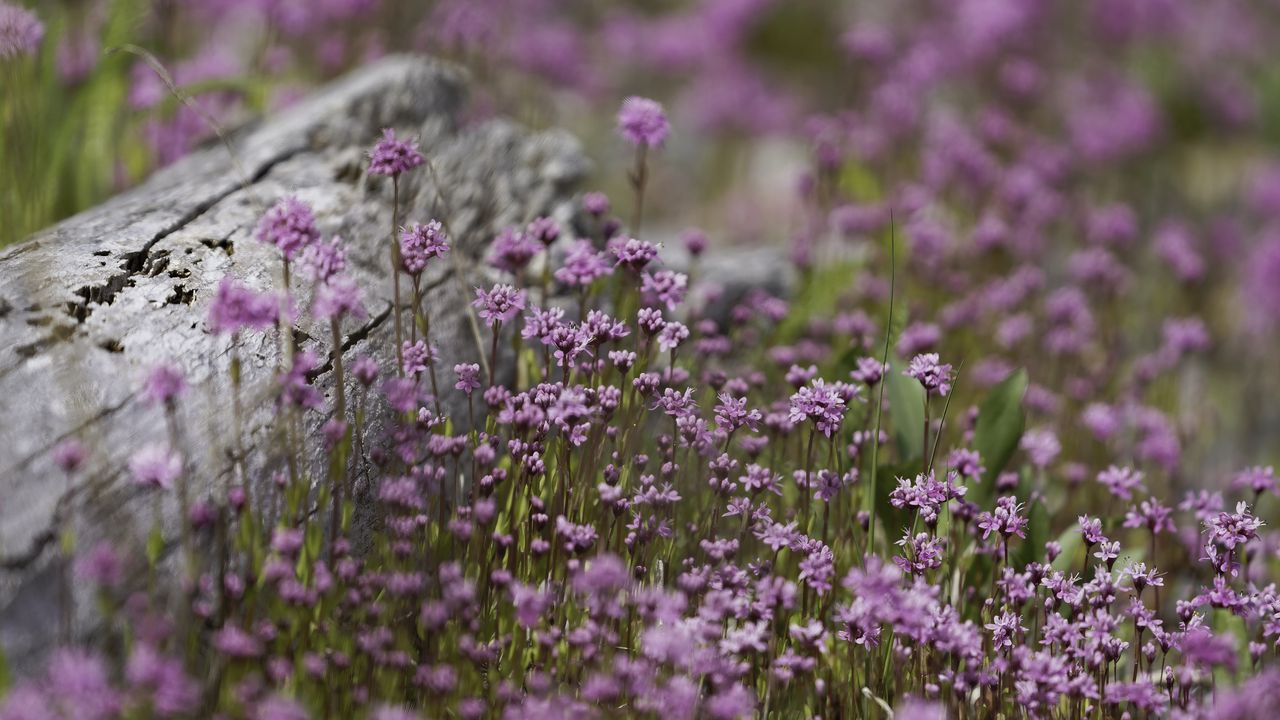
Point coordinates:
pixel 90 305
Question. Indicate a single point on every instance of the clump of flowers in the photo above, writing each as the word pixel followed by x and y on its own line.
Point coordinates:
pixel 666 500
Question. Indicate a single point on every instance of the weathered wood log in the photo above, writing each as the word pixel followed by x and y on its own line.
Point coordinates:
pixel 88 306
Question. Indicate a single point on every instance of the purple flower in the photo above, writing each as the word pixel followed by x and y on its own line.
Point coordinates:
pixel 1005 630
pixel 365 370
pixel 512 250
pixel 1041 445
pixel 236 643
pixel 325 260
pixel 172 691
pixel 338 297
pixel 468 377
pixel 1121 481
pixel 1151 514
pixel 20 31
pixel 392 157
pixel 420 243
pixel 634 254
pixel 530 604
pixel 1006 519
pixel 1232 529
pixel 642 122
pixel 418 356
pixel 916 709
pixel 236 308
pixel 164 384
pixel 295 388
pixel 1257 479
pixel 671 335
pixel 540 323
pixel 1142 694
pixel 544 230
pixel 290 226
pixel 820 404
pixel 69 455
pixel 934 376
pixel 155 466
pixel 605 574
pixel 78 683
pixel 1091 530
pixel 279 707
pixel 732 413
pixel 596 203
pixel 869 371
pixel 665 286
pixel 583 265
pixel 695 241
pixel 101 566
pixel 499 304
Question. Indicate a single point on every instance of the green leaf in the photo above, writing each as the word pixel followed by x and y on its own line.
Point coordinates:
pixel 155 546
pixel 1071 557
pixel 893 521
pixel 906 408
pixel 1001 421
pixel 819 296
pixel 1032 546
pixel 6 679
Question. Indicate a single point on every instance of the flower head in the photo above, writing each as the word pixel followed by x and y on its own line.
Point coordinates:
pixel 392 157
pixel 933 375
pixel 512 250
pixel 290 226
pixel 643 122
pixel 324 260
pixel 20 31
pixel 337 298
pixel 634 254
pixel 155 466
pixel 583 265
pixel 164 384
pixel 236 307
pixel 499 304
pixel 420 243
pixel 819 403
pixel 468 377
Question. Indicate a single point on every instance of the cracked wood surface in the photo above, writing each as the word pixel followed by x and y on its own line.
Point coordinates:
pixel 88 306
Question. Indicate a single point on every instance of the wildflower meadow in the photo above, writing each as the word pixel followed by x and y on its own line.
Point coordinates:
pixel 992 434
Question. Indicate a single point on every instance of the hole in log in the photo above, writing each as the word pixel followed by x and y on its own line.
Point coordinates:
pixel 59 334
pixel 224 245
pixel 180 296
pixel 112 346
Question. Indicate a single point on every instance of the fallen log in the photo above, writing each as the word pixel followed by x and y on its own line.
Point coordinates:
pixel 88 306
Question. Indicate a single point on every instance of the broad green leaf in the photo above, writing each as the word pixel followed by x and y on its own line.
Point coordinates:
pixel 906 409
pixel 1001 421
pixel 1032 547
pixel 893 521
pixel 1071 559
pixel 819 296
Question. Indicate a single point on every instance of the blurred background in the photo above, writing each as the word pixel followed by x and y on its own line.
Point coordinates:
pixel 1088 188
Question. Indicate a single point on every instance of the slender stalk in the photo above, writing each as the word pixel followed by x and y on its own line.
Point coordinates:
pixel 884 360
pixel 338 481
pixel 395 273
pixel 639 177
